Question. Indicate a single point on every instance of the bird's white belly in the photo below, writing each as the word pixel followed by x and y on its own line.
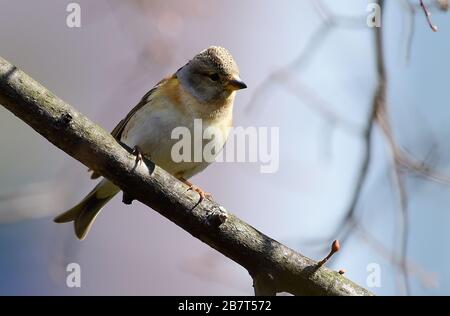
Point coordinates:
pixel 151 129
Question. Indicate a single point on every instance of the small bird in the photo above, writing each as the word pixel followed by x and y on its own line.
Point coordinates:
pixel 203 89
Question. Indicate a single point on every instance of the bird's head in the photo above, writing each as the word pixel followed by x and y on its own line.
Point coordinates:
pixel 211 76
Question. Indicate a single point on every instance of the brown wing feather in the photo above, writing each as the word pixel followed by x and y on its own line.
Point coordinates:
pixel 117 131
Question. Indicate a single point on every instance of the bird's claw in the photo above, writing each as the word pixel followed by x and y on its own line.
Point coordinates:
pixel 139 155
pixel 203 194
pixel 195 188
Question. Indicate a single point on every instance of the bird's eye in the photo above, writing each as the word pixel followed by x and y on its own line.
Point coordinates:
pixel 214 77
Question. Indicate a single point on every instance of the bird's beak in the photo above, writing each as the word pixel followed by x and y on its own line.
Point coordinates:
pixel 236 84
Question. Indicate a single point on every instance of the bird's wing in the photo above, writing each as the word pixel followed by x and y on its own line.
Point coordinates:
pixel 117 131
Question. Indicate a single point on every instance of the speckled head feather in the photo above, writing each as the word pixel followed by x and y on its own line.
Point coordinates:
pixel 220 59
pixel 212 75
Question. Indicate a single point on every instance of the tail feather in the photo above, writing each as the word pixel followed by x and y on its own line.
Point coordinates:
pixel 68 216
pixel 84 213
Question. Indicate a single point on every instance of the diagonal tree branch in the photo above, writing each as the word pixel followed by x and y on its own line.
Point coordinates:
pixel 274 267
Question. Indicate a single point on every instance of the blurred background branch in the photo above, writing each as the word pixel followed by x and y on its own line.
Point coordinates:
pixel 401 160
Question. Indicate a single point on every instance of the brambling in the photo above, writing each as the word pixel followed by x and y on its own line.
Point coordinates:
pixel 203 89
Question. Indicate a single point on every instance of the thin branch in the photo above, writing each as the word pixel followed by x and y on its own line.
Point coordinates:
pixel 428 16
pixel 281 268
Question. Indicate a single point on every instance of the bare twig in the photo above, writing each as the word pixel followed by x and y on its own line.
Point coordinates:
pixel 428 16
pixel 335 247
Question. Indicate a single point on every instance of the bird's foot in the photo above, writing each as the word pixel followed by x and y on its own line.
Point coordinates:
pixel 203 194
pixel 139 155
pixel 192 187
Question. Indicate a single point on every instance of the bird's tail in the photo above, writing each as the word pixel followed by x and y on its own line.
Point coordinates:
pixel 84 213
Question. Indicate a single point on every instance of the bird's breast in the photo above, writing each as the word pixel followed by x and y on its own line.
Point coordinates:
pixel 168 122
